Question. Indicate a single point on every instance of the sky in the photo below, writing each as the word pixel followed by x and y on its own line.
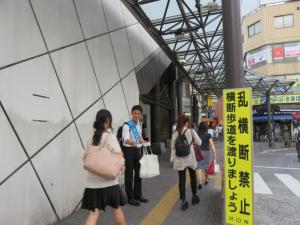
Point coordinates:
pixel 156 9
pixel 250 5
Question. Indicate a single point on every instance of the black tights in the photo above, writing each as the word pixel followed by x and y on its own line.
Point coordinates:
pixel 182 178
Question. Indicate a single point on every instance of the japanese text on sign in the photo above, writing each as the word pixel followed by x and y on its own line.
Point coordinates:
pixel 278 99
pixel 238 156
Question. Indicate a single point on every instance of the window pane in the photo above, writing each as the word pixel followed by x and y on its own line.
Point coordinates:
pixel 251 30
pixel 258 27
pixel 278 21
pixel 288 21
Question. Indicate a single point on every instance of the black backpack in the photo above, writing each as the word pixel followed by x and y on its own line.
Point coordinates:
pixel 298 135
pixel 182 147
pixel 119 134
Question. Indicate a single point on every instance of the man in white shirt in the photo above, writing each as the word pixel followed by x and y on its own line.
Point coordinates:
pixel 132 140
pixel 296 133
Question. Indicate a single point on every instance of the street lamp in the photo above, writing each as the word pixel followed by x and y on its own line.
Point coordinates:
pixel 212 6
pixel 179 33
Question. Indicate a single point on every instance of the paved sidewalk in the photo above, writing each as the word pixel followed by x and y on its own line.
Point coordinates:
pixel 208 212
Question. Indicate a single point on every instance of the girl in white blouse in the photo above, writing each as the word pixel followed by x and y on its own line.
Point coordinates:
pixel 101 192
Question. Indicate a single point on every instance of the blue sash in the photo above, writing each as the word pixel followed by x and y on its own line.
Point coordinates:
pixel 135 133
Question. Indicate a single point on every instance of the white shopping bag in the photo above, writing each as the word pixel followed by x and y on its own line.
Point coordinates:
pixel 149 164
pixel 217 168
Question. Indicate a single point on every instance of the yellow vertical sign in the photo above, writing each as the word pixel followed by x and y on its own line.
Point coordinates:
pixel 210 100
pixel 238 156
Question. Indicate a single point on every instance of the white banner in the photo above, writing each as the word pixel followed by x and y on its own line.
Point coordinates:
pixel 293 51
pixel 257 57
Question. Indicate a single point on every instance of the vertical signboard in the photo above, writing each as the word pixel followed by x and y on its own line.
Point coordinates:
pixel 238 156
pixel 210 100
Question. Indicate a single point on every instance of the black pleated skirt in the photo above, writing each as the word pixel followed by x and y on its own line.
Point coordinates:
pixel 99 198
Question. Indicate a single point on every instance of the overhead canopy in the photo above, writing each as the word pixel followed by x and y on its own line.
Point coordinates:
pixel 262 84
pixel 192 36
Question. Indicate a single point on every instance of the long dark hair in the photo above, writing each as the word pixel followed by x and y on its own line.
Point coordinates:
pixel 203 128
pixel 102 116
pixel 181 121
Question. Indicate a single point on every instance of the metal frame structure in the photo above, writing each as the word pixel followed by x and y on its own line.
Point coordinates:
pixel 194 41
pixel 263 85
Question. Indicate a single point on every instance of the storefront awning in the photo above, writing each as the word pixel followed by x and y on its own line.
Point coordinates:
pixel 281 118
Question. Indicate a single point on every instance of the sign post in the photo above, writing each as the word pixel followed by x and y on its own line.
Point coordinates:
pixel 238 156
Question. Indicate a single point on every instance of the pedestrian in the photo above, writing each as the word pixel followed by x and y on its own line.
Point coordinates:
pixel 217 131
pixel 132 143
pixel 207 146
pixel 210 130
pixel 297 138
pixel 174 127
pixel 101 192
pixel 221 133
pixel 286 135
pixel 182 163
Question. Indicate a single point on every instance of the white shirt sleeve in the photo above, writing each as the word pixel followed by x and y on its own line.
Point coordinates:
pixel 139 129
pixel 125 133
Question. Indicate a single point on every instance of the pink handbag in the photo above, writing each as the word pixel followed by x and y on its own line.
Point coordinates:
pixel 103 162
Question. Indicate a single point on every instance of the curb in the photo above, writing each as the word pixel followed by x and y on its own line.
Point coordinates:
pixel 276 150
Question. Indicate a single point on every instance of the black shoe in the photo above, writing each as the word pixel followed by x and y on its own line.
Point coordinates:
pixel 142 199
pixel 206 182
pixel 199 186
pixel 184 205
pixel 133 202
pixel 195 200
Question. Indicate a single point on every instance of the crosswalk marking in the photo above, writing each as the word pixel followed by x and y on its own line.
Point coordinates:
pixel 290 182
pixel 260 186
pixel 272 167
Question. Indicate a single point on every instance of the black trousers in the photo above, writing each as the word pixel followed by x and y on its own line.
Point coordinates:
pixel 182 178
pixel 298 149
pixel 133 184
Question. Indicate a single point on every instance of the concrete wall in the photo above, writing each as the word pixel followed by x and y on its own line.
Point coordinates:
pixel 60 62
pixel 279 68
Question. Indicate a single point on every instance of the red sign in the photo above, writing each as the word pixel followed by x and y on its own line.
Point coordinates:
pixel 278 53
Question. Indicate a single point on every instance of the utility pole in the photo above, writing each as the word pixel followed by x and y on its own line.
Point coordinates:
pixel 233 48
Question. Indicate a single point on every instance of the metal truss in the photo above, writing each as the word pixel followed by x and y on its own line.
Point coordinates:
pixel 193 39
pixel 261 85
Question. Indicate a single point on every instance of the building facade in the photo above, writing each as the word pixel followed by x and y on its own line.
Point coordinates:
pixel 271 36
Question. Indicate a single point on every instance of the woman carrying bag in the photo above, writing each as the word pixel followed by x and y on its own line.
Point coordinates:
pixel 183 158
pixel 206 147
pixel 102 191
